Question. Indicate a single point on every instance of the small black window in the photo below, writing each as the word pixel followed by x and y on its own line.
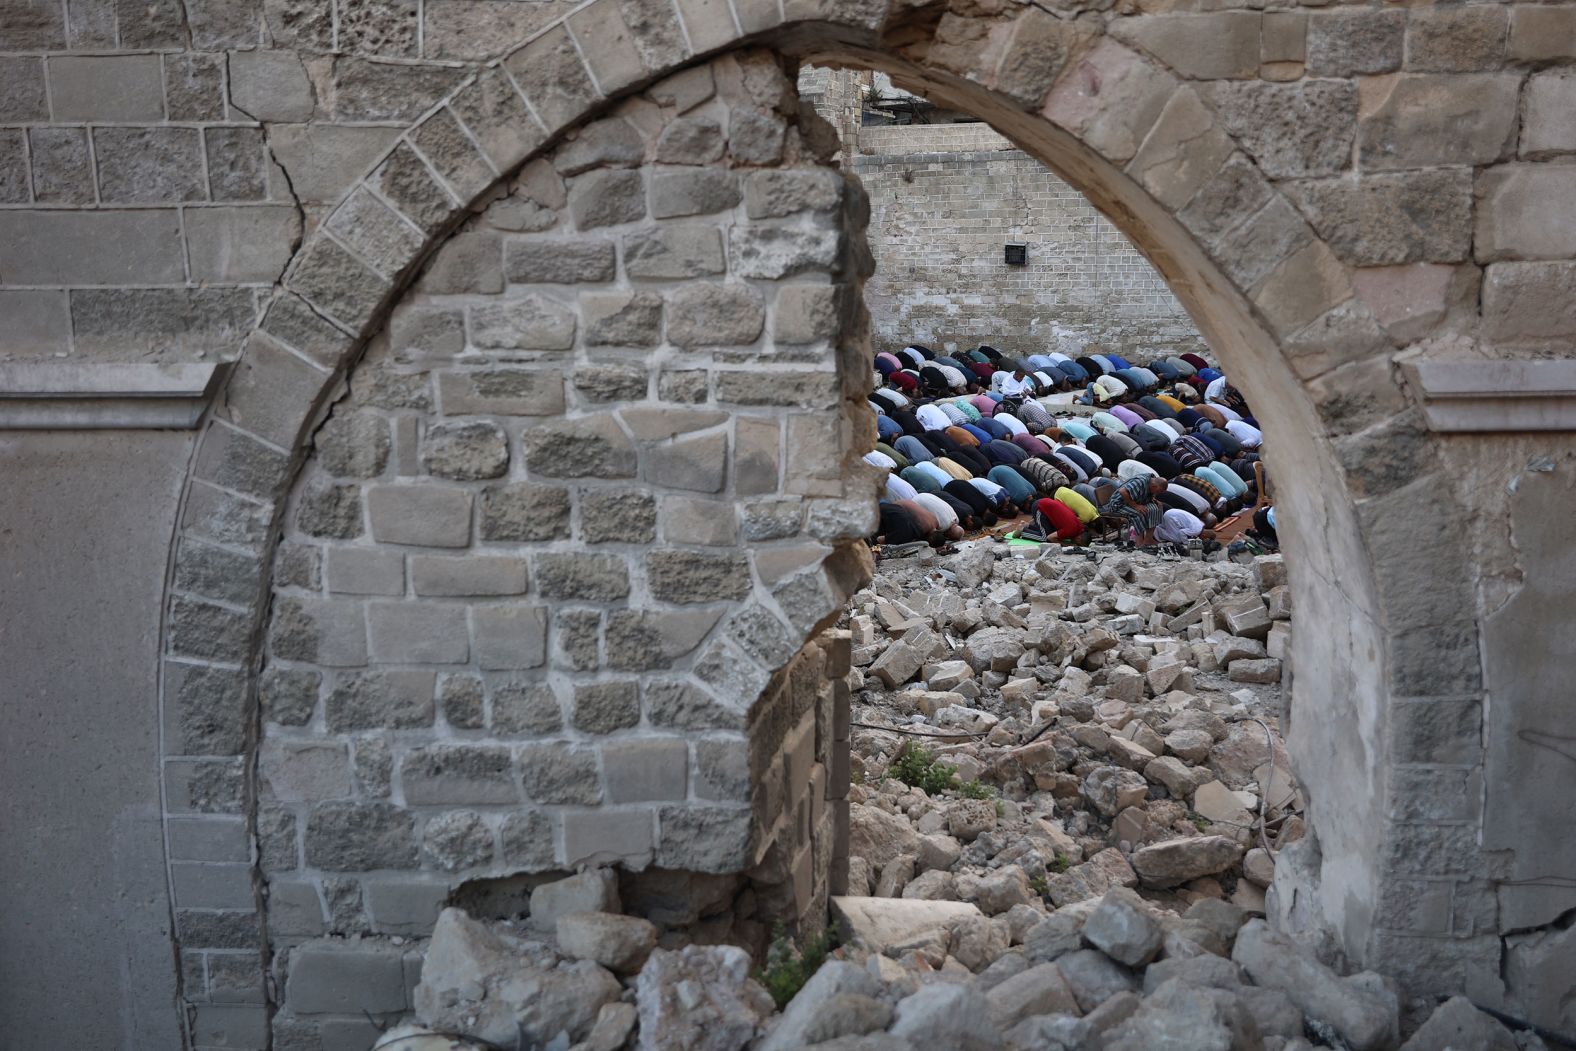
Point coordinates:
pixel 1017 253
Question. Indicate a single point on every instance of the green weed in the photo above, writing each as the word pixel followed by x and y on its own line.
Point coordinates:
pixel 789 966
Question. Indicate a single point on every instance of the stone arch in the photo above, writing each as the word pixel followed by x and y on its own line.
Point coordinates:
pixel 1127 117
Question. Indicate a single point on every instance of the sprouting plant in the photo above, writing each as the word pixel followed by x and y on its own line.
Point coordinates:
pixel 1040 885
pixel 917 766
pixel 1062 863
pixel 976 790
pixel 789 966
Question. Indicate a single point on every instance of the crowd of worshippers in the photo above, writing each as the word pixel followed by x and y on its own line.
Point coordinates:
pixel 966 441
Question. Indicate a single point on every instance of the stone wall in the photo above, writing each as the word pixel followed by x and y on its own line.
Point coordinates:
pixel 944 201
pixel 1354 204
pixel 563 530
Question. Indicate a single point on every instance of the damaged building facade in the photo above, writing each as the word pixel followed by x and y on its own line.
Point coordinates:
pixel 434 435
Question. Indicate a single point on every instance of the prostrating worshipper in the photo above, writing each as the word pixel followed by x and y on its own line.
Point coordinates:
pixel 899 525
pixel 897 488
pixel 931 418
pixel 946 514
pixel 1056 519
pixel 1000 499
pixel 1178 527
pixel 1019 491
pixel 979 507
pixel 1046 478
pixel 1078 503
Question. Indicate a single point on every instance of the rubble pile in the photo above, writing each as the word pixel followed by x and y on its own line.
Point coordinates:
pixel 1114 973
pixel 1079 861
pixel 1110 719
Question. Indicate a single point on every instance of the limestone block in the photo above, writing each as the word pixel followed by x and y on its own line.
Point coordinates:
pixel 553 773
pixel 1183 150
pixel 547 261
pixel 495 114
pixel 525 708
pixel 607 198
pixel 1542 33
pixel 775 194
pixel 376 231
pixel 406 181
pixel 1110 99
pixel 588 447
pixel 22 88
pixel 1549 115
pixel 1422 120
pixel 468 262
pixel 1219 45
pixel 509 637
pixel 680 576
pixel 270 86
pixel 380 699
pixel 527 840
pixel 1456 41
pixel 418 632
pixel 691 140
pixel 62 167
pixel 322 160
pixel 1291 130
pixel 358 837
pixel 58 247
pixel 673 251
pixel 606 706
pixel 612 142
pixel 337 282
pixel 529 322
pixel 1035 52
pixel 553 77
pixel 1525 212
pixel 772 252
pixel 332 978
pixel 1391 219
pixel 503 392
pixel 622 319
pixel 465 450
pixel 641 771
pixel 446 575
pixel 364 571
pixel 705 314
pixel 591 578
pixel 106 88
pixel 1307 286
pixel 701 192
pixel 1354 41
pixel 362 89
pixel 1262 241
pixel 429 516
pixel 524 511
pixel 458 774
pixel 1529 302
pixel 1236 190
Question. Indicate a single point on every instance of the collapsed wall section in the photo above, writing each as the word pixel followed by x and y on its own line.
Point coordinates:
pixel 549 572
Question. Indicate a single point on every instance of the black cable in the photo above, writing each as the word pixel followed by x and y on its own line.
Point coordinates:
pixel 916 733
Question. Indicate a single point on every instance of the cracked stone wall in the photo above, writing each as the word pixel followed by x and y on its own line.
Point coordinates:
pixel 584 494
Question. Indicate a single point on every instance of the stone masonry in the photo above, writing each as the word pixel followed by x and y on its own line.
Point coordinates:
pixel 570 515
pixel 946 198
pixel 1366 212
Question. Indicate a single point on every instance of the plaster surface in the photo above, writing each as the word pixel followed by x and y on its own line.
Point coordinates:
pixel 85 941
